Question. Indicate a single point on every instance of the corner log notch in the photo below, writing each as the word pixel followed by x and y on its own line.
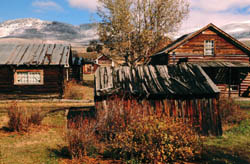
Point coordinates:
pixel 183 91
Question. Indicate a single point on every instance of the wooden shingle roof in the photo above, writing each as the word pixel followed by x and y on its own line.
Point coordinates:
pixel 182 81
pixel 34 54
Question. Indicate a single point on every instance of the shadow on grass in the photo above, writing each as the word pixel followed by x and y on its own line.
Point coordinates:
pixel 216 155
pixel 6 129
pixel 88 83
pixel 61 152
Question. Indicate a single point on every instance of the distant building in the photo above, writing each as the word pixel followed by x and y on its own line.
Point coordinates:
pixel 91 61
pixel 34 70
pixel 223 58
pixel 183 91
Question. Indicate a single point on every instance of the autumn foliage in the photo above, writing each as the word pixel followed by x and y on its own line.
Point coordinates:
pixel 230 112
pixel 22 118
pixel 132 136
pixel 156 139
pixel 81 137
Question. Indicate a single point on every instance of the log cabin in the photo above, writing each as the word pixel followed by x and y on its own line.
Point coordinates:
pixel 223 58
pixel 34 70
pixel 178 91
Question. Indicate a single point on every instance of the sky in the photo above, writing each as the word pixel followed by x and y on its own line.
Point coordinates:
pixel 202 12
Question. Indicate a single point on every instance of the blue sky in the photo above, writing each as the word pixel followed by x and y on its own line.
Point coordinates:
pixel 76 12
pixel 68 11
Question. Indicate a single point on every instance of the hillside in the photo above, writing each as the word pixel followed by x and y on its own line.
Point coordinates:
pixel 240 30
pixel 30 28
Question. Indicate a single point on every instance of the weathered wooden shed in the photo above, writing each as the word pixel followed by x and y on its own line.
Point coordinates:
pixel 33 70
pixel 178 91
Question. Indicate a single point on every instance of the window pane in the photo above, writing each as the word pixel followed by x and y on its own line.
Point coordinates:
pixel 34 77
pixel 22 77
pixel 209 47
pixel 28 78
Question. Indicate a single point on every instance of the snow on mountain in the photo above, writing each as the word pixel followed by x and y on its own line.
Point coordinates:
pixel 30 28
pixel 240 30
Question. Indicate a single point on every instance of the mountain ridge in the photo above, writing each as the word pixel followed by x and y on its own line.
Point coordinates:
pixel 47 31
pixel 32 28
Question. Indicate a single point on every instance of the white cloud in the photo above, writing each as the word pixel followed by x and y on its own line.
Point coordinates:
pixel 46 5
pixel 203 12
pixel 84 4
pixel 219 5
pixel 217 12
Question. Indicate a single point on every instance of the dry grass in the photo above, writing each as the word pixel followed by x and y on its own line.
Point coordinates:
pixel 38 145
pixel 231 113
pixel 73 91
pixel 76 91
pixel 47 144
pixel 46 106
pixel 22 118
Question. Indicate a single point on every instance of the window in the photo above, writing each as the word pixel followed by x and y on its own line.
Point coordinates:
pixel 88 68
pixel 232 88
pixel 28 77
pixel 209 47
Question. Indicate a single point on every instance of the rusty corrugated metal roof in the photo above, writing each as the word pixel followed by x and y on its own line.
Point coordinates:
pixel 169 81
pixel 34 54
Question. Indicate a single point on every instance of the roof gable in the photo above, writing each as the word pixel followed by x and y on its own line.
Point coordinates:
pixel 185 38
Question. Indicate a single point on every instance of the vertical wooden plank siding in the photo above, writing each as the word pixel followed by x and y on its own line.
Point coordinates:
pixel 203 114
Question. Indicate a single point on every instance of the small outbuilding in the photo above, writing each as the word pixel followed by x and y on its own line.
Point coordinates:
pixel 93 60
pixel 34 70
pixel 177 91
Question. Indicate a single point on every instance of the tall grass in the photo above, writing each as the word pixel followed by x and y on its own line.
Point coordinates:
pixel 230 112
pixel 22 118
pixel 81 137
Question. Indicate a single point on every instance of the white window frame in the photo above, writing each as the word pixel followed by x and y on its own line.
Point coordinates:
pixel 208 47
pixel 29 76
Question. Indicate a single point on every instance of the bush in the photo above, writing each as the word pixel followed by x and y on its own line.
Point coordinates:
pixel 21 118
pixel 110 123
pixel 153 139
pixel 230 112
pixel 81 137
pixel 133 136
pixel 36 117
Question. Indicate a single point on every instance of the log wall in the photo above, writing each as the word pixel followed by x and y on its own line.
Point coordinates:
pixel 203 114
pixel 54 77
pixel 224 50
